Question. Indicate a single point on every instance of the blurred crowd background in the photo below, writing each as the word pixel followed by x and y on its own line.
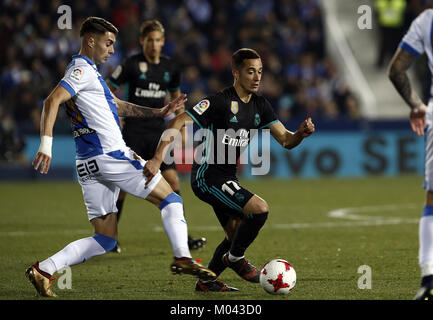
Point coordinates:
pixel 299 78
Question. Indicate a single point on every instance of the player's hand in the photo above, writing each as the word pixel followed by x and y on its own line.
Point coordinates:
pixel 417 119
pixel 44 154
pixel 172 107
pixel 306 128
pixel 45 160
pixel 151 169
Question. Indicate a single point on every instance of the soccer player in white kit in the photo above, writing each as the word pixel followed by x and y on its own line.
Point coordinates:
pixel 104 163
pixel 418 40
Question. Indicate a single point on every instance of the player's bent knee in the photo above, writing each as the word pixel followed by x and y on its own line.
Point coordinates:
pixel 255 205
pixel 263 207
pixel 106 242
pixel 171 198
pixel 260 207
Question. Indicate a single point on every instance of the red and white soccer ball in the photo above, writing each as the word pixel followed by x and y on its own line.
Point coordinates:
pixel 278 277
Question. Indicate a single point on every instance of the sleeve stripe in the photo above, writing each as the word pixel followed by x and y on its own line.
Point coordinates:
pixel 66 85
pixel 269 124
pixel 405 46
pixel 193 118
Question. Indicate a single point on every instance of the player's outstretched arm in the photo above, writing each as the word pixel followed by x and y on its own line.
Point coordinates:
pixel 174 95
pixel 171 131
pixel 128 109
pixel 289 139
pixel 48 118
pixel 397 73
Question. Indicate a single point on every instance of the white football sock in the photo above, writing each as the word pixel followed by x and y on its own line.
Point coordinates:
pixel 426 245
pixel 176 228
pixel 74 253
pixel 233 258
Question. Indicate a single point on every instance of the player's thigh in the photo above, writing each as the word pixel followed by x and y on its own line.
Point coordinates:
pixel 170 175
pixel 161 190
pixel 131 179
pixel 224 194
pixel 230 192
pixel 99 198
pixel 249 202
pixel 124 169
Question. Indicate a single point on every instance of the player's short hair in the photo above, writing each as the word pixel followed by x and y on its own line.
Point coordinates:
pixel 240 55
pixel 97 25
pixel 149 26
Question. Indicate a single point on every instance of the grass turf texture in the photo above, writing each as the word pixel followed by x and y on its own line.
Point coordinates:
pixel 38 219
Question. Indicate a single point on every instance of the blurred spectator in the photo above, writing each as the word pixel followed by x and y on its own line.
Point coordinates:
pixel 11 143
pixel 390 16
pixel 200 10
pixel 298 78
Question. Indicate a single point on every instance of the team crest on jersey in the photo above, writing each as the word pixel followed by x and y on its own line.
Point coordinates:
pixel 77 73
pixel 202 106
pixel 234 107
pixel 142 66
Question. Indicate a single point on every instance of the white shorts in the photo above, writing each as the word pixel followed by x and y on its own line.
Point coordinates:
pixel 428 161
pixel 103 176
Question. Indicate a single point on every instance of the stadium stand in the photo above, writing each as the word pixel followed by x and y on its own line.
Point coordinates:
pixel 299 78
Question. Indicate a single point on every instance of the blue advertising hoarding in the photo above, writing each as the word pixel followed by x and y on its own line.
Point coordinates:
pixel 337 154
pixel 347 154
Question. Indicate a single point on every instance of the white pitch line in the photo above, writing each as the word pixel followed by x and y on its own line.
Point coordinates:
pixel 342 224
pixel 341 213
pixel 355 220
pixel 348 213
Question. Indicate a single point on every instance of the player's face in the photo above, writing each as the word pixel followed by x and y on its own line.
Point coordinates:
pixel 104 47
pixel 250 74
pixel 152 44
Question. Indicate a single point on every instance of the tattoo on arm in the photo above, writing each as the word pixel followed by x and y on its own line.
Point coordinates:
pixel 397 73
pixel 127 109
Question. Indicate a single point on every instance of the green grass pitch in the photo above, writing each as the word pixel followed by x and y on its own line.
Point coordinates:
pixel 377 227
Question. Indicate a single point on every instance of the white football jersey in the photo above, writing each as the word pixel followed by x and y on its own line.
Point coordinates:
pixel 418 39
pixel 92 110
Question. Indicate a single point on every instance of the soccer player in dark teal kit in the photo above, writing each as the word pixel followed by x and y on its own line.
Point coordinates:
pixel 241 213
pixel 146 78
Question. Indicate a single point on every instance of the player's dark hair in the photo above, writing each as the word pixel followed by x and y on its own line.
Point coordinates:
pixel 97 25
pixel 149 26
pixel 240 55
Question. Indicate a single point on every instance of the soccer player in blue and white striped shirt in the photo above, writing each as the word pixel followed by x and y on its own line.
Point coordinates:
pixel 104 163
pixel 418 40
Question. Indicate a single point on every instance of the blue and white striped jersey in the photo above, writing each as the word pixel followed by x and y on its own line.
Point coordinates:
pixel 418 39
pixel 92 110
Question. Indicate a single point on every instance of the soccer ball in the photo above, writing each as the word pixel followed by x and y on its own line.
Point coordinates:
pixel 278 277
